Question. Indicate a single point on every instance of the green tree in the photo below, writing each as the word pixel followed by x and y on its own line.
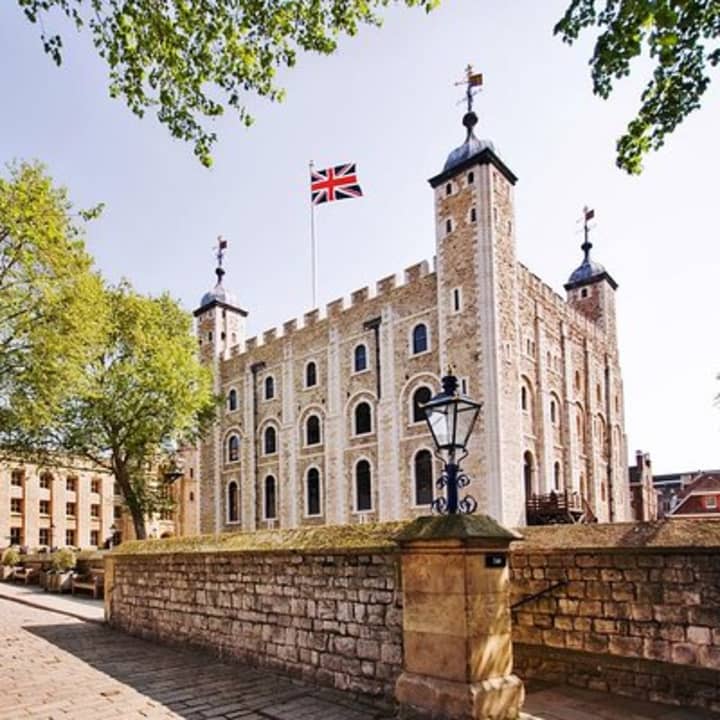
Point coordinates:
pixel 145 390
pixel 48 291
pixel 193 59
pixel 681 38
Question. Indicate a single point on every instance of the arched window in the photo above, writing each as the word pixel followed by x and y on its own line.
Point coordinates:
pixel 523 398
pixel 269 387
pixel 233 504
pixel 556 475
pixel 232 400
pixel 528 474
pixel 270 498
pixel 421 396
pixel 360 358
pixel 553 411
pixel 312 430
pixel 233 448
pixel 419 339
pixel 270 441
pixel 363 486
pixel 313 492
pixel 363 418
pixel 310 374
pixel 423 478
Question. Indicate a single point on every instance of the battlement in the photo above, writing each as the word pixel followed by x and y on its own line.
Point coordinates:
pixel 334 310
pixel 540 289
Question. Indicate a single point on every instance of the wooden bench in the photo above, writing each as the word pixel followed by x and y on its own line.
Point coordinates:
pixel 94 582
pixel 28 573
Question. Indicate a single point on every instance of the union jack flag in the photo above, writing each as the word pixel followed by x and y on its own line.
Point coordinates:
pixel 335 183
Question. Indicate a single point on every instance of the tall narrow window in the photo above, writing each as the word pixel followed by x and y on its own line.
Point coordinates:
pixel 423 478
pixel 473 215
pixel 471 178
pixel 45 480
pixel 448 226
pixel 360 358
pixel 419 339
pixel 232 400
pixel 270 498
pixel 313 492
pixel 269 387
pixel 233 448
pixel 363 486
pixel 270 441
pixel 16 478
pixel 457 300
pixel 310 374
pixel 233 509
pixel 528 474
pixel 421 396
pixel 523 398
pixel 556 475
pixel 363 418
pixel 553 412
pixel 312 430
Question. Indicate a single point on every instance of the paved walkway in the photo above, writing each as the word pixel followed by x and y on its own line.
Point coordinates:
pixel 64 668
pixel 82 607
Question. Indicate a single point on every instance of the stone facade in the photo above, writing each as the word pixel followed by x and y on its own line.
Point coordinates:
pixel 546 369
pixel 627 608
pixel 637 621
pixel 55 506
pixel 333 618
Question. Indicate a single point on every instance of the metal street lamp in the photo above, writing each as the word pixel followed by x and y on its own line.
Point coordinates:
pixel 113 530
pixel 451 418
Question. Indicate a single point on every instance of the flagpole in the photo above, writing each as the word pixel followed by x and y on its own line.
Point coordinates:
pixel 313 246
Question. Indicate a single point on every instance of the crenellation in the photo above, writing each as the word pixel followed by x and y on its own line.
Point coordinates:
pixel 269 335
pixel 251 344
pixel 289 327
pixel 311 317
pixel 386 284
pixel 416 271
pixel 335 308
pixel 358 297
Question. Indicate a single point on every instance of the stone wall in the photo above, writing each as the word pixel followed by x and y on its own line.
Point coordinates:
pixel 332 617
pixel 635 619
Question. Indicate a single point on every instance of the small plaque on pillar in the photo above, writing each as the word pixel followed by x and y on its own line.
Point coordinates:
pixel 496 560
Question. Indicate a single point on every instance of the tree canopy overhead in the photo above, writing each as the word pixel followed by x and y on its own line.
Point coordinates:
pixel 195 59
pixel 682 38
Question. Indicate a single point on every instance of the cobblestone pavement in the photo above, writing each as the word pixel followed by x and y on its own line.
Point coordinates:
pixel 62 668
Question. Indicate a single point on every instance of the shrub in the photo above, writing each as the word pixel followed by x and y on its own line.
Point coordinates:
pixel 63 560
pixel 10 557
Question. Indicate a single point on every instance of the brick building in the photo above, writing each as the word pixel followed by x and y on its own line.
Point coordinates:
pixel 699 498
pixel 321 421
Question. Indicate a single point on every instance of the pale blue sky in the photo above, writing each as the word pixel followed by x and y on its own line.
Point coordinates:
pixel 386 101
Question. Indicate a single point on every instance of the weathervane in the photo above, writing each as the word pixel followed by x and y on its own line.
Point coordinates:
pixel 588 215
pixel 220 254
pixel 472 80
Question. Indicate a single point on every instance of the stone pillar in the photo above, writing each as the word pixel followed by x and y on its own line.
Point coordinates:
pixel 457 660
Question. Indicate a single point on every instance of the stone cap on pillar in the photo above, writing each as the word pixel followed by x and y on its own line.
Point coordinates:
pixel 458 530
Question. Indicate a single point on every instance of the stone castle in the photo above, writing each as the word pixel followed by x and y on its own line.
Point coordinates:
pixel 322 424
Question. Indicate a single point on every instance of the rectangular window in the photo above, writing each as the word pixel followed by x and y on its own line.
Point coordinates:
pixel 44 507
pixel 70 509
pixel 95 538
pixel 457 300
pixel 45 481
pixel 70 537
pixel 16 505
pixel 17 478
pixel 16 536
pixel 117 512
pixel 95 485
pixel 95 511
pixel 44 536
pixel 71 484
pixel 464 386
pixel 711 502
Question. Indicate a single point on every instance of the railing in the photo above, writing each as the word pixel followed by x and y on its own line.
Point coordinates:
pixel 567 506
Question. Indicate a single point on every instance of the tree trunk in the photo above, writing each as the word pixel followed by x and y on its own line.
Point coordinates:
pixel 136 511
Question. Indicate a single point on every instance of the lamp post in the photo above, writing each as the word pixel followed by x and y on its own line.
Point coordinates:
pixel 113 530
pixel 451 418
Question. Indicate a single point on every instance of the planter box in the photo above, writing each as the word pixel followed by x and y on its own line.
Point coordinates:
pixel 59 582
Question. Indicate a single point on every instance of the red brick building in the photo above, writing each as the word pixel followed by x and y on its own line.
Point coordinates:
pixel 700 498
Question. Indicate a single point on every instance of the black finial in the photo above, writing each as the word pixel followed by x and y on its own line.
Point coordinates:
pixel 472 80
pixel 220 254
pixel 588 215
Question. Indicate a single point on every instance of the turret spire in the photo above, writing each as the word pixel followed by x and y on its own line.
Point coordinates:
pixel 220 254
pixel 588 215
pixel 473 82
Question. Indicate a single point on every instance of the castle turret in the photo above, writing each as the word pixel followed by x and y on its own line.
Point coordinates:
pixel 220 322
pixel 591 289
pixel 477 309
